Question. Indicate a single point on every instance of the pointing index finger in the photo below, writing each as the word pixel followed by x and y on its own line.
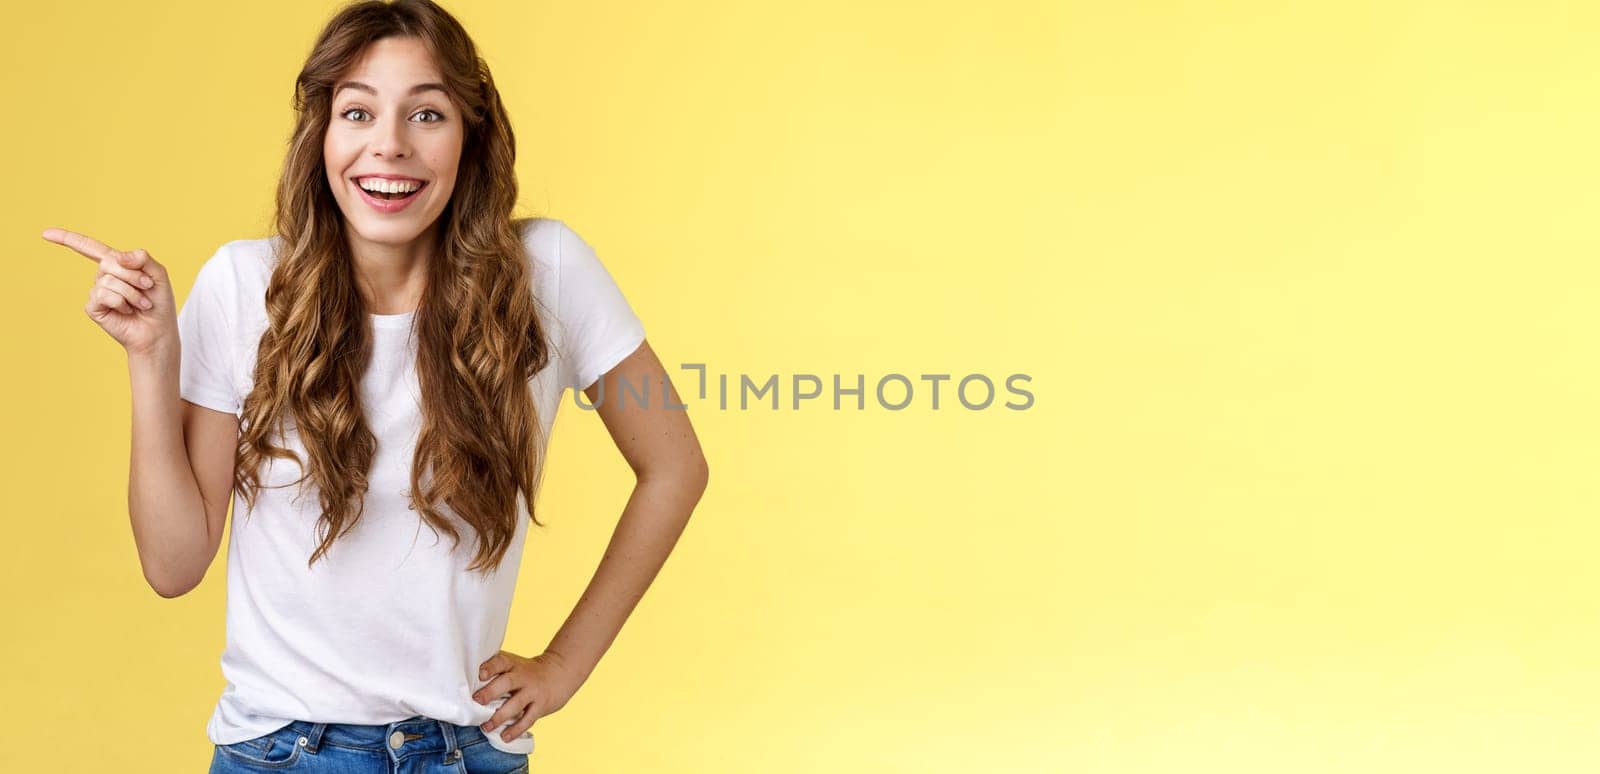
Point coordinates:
pixel 91 248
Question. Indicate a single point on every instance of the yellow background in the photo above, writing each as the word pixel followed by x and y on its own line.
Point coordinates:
pixel 1305 291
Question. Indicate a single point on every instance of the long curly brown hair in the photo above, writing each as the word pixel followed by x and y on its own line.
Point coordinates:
pixel 479 337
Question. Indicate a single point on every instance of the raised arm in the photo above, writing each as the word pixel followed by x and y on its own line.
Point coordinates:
pixel 180 471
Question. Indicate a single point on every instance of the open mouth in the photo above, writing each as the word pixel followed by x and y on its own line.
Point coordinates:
pixel 389 201
pixel 393 196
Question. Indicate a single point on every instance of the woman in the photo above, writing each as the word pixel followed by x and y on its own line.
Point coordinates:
pixel 398 349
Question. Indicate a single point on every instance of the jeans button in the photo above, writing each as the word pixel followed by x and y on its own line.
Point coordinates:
pixel 396 739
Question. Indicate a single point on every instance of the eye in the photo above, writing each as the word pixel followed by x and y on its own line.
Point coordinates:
pixel 346 113
pixel 435 112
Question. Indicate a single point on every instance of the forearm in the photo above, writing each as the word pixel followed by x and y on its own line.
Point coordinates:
pixel 651 522
pixel 164 503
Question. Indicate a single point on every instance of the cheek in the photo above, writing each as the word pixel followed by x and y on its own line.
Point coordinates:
pixel 444 172
pixel 336 156
pixel 444 156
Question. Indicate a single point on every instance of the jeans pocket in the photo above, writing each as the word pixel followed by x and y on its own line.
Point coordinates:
pixel 480 757
pixel 276 750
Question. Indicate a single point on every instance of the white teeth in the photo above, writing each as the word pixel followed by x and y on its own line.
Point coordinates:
pixel 380 185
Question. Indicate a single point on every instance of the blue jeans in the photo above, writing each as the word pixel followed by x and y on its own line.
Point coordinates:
pixel 417 745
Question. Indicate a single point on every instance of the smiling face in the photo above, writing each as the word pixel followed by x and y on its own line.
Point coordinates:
pixel 393 128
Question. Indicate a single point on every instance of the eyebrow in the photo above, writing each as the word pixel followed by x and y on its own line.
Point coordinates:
pixel 417 89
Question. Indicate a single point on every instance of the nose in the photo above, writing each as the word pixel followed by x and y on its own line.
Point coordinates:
pixel 390 140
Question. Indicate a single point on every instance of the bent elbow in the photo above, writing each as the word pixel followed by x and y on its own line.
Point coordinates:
pixel 168 588
pixel 688 478
pixel 696 479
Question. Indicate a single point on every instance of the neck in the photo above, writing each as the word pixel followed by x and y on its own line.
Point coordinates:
pixel 391 277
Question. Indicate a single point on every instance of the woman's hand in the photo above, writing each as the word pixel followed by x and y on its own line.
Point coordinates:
pixel 131 298
pixel 538 686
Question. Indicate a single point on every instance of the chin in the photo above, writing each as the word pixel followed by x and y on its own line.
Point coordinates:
pixel 390 232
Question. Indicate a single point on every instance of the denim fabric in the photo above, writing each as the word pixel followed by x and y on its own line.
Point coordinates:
pixel 417 745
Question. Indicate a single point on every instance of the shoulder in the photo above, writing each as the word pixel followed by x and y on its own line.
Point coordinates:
pixel 544 239
pixel 233 283
pixel 242 263
pixel 566 260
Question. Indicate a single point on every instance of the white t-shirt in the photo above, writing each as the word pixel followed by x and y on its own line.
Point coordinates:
pixel 389 624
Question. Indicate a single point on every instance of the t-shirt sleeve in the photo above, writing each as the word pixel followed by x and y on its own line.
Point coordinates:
pixel 600 327
pixel 206 326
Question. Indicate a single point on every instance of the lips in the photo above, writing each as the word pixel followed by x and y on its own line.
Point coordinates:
pixel 389 206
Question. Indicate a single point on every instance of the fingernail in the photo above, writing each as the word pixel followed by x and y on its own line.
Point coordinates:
pixel 145 302
pixel 147 282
